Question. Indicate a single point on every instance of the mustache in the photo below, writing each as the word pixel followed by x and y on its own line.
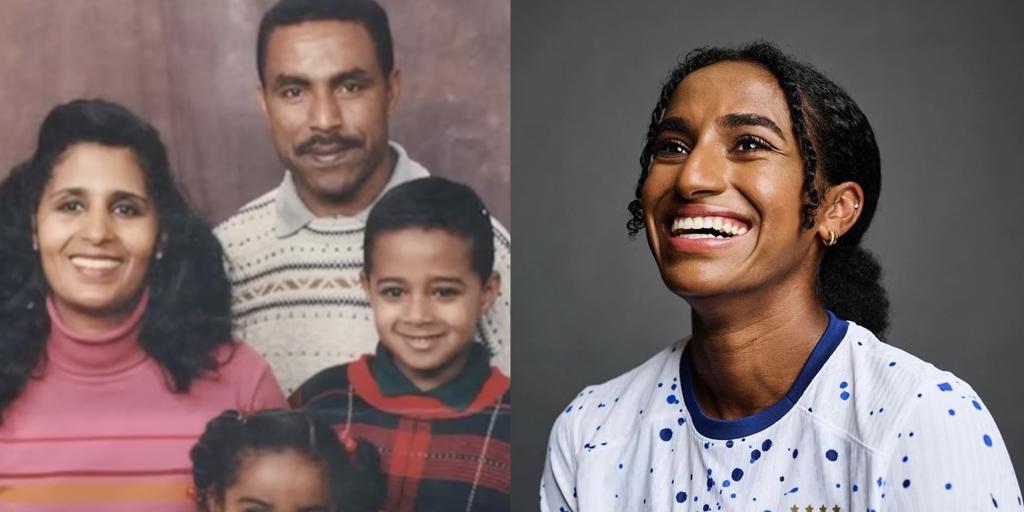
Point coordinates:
pixel 333 140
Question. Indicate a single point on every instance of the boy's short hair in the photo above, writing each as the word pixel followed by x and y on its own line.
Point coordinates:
pixel 292 12
pixel 434 203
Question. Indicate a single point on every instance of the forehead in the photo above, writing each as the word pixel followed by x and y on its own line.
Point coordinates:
pixel 320 48
pixel 729 87
pixel 95 167
pixel 421 250
pixel 282 478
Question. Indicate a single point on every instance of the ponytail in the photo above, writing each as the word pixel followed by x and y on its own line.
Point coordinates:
pixel 850 285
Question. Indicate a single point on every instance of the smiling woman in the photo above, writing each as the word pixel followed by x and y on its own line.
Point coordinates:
pixel 115 310
pixel 758 179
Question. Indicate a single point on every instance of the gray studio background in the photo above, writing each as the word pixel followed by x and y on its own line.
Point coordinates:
pixel 943 86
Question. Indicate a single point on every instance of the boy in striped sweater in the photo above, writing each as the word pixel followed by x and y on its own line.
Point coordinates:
pixel 428 398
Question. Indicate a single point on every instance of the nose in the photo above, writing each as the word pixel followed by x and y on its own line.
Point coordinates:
pixel 702 173
pixel 420 310
pixel 325 113
pixel 97 228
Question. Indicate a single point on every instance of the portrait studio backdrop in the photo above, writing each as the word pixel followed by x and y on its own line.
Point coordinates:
pixel 941 86
pixel 190 69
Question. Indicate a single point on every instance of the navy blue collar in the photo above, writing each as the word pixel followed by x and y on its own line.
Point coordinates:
pixel 747 426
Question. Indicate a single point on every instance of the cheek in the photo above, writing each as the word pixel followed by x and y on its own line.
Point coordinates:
pixel 51 234
pixel 385 313
pixel 461 316
pixel 140 240
pixel 654 188
pixel 286 120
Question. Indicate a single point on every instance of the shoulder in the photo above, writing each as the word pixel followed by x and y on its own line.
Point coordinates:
pixel 325 383
pixel 502 239
pixel 871 389
pixel 238 357
pixel 616 404
pixel 255 216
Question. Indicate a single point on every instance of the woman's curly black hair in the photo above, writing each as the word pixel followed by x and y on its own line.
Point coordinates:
pixel 355 481
pixel 189 311
pixel 836 140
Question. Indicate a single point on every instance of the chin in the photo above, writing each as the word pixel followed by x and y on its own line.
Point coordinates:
pixel 694 282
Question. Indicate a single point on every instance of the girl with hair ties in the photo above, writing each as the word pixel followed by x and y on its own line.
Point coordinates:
pixel 285 461
pixel 758 179
pixel 116 321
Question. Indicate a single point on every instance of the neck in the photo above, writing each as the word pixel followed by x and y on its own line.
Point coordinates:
pixel 91 322
pixel 95 345
pixel 360 198
pixel 747 351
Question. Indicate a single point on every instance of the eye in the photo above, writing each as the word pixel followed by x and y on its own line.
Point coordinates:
pixel 72 206
pixel 670 147
pixel 290 93
pixel 447 292
pixel 126 210
pixel 751 143
pixel 391 292
pixel 351 87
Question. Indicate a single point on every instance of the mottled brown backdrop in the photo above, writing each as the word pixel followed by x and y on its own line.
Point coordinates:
pixel 188 66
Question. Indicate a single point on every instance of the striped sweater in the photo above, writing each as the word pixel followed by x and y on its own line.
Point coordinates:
pixel 100 431
pixel 297 298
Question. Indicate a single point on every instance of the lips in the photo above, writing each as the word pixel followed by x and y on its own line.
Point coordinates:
pixel 421 342
pixel 96 266
pixel 696 228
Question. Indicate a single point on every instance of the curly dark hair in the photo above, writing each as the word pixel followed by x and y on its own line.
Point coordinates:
pixel 836 139
pixel 189 310
pixel 355 481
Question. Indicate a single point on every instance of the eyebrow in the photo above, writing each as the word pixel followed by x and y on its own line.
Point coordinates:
pixel 288 80
pixel 117 195
pixel 433 280
pixel 285 80
pixel 358 74
pixel 254 501
pixel 738 120
pixel 446 280
pixel 674 124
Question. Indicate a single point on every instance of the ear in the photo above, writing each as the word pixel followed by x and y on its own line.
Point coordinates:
pixel 262 100
pixel 394 89
pixel 364 281
pixel 841 207
pixel 490 291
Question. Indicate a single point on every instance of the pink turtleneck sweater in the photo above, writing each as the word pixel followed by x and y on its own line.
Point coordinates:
pixel 100 431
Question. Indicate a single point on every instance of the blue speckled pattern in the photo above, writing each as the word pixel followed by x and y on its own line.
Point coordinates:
pixel 866 427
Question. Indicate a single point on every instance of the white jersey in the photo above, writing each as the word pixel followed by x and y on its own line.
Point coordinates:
pixel 865 427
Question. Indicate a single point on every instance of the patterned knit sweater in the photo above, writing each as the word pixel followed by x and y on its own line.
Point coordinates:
pixel 297 297
pixel 435 455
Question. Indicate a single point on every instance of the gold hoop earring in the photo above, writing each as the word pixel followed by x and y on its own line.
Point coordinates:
pixel 832 238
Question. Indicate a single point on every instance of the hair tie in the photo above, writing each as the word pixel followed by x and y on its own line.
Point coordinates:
pixel 348 442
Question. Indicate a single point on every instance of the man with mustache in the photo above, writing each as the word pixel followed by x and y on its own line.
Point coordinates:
pixel 327 86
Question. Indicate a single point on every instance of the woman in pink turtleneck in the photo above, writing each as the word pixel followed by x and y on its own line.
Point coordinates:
pixel 115 327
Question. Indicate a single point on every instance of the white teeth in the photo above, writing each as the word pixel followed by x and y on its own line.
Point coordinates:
pixel 720 224
pixel 95 263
